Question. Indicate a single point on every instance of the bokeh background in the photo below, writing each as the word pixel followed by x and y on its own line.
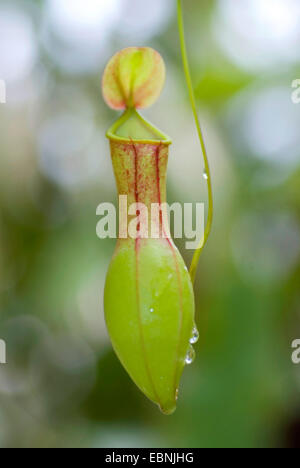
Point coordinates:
pixel 62 385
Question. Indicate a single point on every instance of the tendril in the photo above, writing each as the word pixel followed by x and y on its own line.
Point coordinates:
pixel 198 251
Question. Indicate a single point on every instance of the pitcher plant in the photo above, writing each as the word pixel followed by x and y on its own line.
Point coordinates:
pixel 149 299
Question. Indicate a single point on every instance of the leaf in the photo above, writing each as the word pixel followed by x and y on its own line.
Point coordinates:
pixel 133 78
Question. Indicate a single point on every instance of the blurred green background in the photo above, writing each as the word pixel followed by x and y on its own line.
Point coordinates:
pixel 62 385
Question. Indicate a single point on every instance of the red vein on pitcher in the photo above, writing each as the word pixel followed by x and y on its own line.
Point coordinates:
pixel 137 240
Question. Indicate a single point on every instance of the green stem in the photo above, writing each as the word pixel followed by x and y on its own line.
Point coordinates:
pixel 198 251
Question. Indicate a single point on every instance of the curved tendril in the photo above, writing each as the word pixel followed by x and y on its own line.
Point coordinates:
pixel 198 251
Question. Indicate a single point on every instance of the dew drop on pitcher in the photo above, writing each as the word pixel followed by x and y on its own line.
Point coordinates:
pixel 205 175
pixel 189 358
pixel 195 336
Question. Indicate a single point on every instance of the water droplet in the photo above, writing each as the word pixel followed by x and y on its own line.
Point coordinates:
pixel 190 356
pixel 151 310
pixel 195 336
pixel 176 394
pixel 205 175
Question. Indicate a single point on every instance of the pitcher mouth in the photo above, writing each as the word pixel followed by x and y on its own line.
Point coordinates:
pixel 131 126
